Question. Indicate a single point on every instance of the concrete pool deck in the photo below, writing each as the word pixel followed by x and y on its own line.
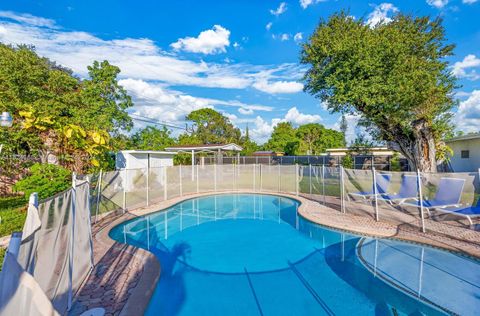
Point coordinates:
pixel 124 277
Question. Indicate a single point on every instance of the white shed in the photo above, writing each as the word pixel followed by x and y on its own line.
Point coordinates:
pixel 138 159
pixel 466 152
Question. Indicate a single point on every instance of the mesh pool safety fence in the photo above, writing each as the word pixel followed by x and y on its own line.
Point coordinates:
pixel 55 252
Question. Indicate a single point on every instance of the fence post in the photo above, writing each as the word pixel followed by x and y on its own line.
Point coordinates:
pixel 297 169
pixel 310 178
pixel 323 184
pixel 181 181
pixel 165 192
pixel 420 198
pixel 254 176
pixel 198 188
pixel 375 192
pixel 125 190
pixel 278 177
pixel 99 194
pixel 148 184
pixel 342 193
pixel 215 177
pixel 72 242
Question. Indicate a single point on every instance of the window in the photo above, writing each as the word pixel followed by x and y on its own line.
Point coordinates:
pixel 465 154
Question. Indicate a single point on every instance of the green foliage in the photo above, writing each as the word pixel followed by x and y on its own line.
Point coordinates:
pixel 211 127
pixel 347 161
pixel 393 74
pixel 45 179
pixel 395 162
pixel 12 215
pixel 152 138
pixel 2 256
pixel 59 115
pixel 283 139
pixel 309 138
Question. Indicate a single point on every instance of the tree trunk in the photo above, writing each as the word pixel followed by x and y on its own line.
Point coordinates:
pixel 420 149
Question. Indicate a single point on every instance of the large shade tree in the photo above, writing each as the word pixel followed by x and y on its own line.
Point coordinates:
pixel 392 74
pixel 57 114
pixel 211 127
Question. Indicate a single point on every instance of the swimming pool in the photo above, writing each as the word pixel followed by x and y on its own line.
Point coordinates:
pixel 251 254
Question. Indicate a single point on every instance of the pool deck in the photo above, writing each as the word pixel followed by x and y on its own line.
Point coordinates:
pixel 124 277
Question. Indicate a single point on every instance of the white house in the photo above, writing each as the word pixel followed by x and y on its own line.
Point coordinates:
pixel 466 152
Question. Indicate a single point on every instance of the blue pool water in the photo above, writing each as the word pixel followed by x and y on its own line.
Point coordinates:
pixel 251 254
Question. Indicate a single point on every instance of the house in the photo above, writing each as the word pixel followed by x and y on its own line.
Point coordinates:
pixel 368 157
pixel 466 153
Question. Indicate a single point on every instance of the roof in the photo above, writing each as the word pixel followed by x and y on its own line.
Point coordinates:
pixel 151 152
pixel 205 148
pixel 463 137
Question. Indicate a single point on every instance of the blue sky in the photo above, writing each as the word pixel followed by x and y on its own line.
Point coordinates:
pixel 239 57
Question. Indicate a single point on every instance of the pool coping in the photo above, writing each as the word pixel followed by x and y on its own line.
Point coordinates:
pixel 139 296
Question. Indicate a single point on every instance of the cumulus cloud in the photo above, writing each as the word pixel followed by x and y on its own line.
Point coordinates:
pixel 460 68
pixel 469 1
pixel 268 26
pixel 212 41
pixel 278 87
pixel 298 37
pixel 297 118
pixel 261 129
pixel 280 10
pixel 381 14
pixel 159 102
pixel 438 3
pixel 138 58
pixel 468 114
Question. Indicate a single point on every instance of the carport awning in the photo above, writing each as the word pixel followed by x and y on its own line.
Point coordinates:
pixel 205 148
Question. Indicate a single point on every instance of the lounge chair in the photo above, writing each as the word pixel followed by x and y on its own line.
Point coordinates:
pixel 466 211
pixel 383 182
pixel 408 190
pixel 448 195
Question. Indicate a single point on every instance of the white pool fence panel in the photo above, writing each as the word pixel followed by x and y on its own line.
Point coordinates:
pixel 55 250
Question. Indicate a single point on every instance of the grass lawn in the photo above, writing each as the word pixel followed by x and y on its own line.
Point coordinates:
pixel 12 214
pixel 2 255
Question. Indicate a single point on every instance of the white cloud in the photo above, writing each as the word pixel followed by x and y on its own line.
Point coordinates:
pixel 298 37
pixel 380 14
pixel 280 10
pixel 28 19
pixel 284 37
pixel 137 58
pixel 268 26
pixel 297 118
pixel 469 1
pixel 278 86
pixel 262 129
pixel 211 41
pixel 468 114
pixel 460 68
pixel 437 3
pixel 305 3
pixel 245 111
pixel 159 102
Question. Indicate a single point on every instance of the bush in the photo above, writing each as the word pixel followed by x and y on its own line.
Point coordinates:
pixel 347 161
pixel 45 179
pixel 12 202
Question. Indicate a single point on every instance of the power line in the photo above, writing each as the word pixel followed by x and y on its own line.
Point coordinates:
pixel 145 119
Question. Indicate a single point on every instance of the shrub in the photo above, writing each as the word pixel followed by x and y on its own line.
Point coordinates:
pixel 45 179
pixel 347 161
